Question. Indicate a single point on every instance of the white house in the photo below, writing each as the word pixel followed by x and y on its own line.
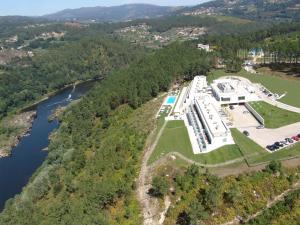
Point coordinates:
pixel 203 47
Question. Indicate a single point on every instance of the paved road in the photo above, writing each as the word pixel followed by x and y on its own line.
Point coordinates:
pixel 279 104
pixel 265 137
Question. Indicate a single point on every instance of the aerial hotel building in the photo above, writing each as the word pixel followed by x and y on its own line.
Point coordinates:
pixel 200 106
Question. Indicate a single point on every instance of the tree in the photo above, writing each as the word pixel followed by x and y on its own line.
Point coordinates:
pixel 160 186
pixel 232 194
pixel 274 167
pixel 196 213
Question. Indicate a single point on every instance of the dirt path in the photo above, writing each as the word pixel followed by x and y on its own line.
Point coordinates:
pixel 277 199
pixel 150 206
pixel 190 161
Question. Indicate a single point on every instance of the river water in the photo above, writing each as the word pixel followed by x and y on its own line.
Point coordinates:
pixel 28 155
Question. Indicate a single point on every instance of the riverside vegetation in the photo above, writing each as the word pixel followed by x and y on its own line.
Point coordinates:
pixel 89 174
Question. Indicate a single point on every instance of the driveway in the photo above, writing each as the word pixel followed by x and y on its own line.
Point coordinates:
pixel 265 137
pixel 242 118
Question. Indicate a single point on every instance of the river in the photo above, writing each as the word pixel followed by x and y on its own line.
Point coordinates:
pixel 28 155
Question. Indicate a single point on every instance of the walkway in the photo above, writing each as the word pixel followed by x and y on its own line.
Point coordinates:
pixel 190 161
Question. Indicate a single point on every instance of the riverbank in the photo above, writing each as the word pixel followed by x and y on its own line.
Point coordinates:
pixel 32 105
pixel 57 113
pixel 12 129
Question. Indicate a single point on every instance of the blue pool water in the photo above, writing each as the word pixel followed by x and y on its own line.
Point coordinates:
pixel 171 100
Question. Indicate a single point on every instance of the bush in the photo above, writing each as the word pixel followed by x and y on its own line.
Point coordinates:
pixel 160 186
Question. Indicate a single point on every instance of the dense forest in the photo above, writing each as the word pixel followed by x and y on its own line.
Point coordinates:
pixel 280 43
pixel 92 57
pixel 93 158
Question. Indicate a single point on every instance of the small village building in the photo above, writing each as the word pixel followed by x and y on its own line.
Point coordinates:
pixel 203 47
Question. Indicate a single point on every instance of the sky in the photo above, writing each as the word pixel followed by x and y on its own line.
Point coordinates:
pixel 42 7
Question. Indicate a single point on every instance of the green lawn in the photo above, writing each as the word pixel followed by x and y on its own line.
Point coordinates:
pixel 246 145
pixel 275 117
pixel 175 139
pixel 274 83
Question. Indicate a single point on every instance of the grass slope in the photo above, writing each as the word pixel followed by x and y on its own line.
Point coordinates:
pixel 275 117
pixel 249 147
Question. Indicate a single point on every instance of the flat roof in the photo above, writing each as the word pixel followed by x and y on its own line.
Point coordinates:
pixel 231 86
pixel 211 115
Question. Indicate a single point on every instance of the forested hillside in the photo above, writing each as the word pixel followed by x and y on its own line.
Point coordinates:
pixel 280 44
pixel 113 13
pixel 89 175
pixel 91 57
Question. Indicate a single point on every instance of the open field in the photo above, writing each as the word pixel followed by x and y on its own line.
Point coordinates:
pixel 276 84
pixel 175 139
pixel 275 117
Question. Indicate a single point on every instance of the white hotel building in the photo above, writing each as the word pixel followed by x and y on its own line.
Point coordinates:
pixel 199 105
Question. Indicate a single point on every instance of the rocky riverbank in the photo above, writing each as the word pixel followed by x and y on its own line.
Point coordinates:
pixel 12 129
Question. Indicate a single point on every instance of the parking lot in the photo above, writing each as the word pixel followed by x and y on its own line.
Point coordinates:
pixel 242 118
pixel 265 137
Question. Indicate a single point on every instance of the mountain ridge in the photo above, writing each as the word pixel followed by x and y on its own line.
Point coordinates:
pixel 113 13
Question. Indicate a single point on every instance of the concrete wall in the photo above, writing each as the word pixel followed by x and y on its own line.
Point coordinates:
pixel 255 114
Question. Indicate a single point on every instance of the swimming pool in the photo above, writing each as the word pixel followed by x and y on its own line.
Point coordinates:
pixel 171 100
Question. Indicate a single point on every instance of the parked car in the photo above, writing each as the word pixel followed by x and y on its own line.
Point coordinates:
pixel 278 144
pixel 296 138
pixel 284 142
pixel 298 135
pixel 246 133
pixel 231 107
pixel 246 112
pixel 289 140
pixel 260 127
pixel 270 147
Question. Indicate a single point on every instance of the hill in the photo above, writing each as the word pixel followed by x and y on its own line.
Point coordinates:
pixel 113 14
pixel 250 9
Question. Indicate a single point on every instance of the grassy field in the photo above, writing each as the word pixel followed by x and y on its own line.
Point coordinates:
pixel 275 117
pixel 175 139
pixel 277 84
